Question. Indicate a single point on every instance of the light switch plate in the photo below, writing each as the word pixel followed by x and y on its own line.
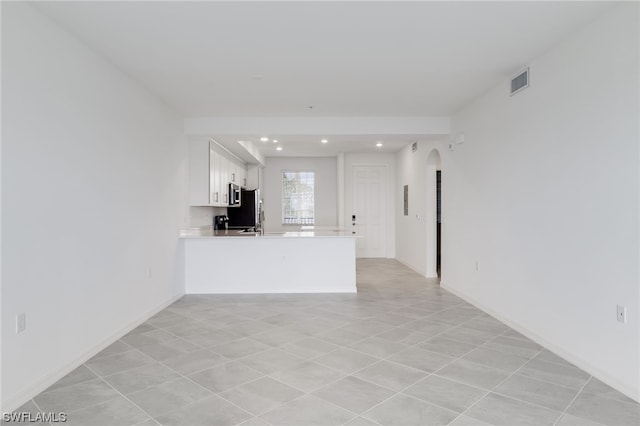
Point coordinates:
pixel 622 314
pixel 21 322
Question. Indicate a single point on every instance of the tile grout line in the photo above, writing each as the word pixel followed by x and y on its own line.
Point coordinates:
pixel 400 392
pixel 572 401
pixel 119 393
pixel 38 407
pixel 90 405
pixel 501 382
pixel 502 394
pixel 523 374
pixel 211 349
pixel 226 361
pixel 470 407
pixel 548 382
pixel 487 392
pixel 344 376
pixel 310 393
pixel 414 383
pixel 144 421
pixel 302 396
pixel 434 373
pixel 217 394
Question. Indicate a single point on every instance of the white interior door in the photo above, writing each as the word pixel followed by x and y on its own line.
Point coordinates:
pixel 369 210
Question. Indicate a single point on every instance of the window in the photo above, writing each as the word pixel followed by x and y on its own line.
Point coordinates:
pixel 298 206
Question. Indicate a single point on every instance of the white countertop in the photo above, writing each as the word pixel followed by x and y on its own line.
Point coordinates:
pixel 305 232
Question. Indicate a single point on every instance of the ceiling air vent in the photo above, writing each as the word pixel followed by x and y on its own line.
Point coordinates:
pixel 414 147
pixel 520 81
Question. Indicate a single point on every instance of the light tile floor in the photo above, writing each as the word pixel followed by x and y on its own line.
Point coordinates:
pixel 400 352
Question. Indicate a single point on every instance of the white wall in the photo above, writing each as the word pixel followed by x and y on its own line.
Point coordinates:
pixel 544 194
pixel 203 215
pixel 372 159
pixel 324 191
pixel 93 194
pixel 411 230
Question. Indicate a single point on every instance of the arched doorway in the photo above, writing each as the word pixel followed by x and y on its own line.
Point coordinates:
pixel 432 218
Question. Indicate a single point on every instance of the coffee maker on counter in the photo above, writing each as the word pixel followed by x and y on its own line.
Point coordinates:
pixel 220 223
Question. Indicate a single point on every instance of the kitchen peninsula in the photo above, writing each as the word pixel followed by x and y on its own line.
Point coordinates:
pixel 231 261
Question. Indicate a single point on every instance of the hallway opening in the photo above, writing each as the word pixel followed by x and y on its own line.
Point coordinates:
pixel 433 215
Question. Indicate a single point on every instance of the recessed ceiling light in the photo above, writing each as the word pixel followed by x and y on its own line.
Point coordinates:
pixel 275 141
pixel 379 144
pixel 324 141
pixel 279 148
pixel 264 139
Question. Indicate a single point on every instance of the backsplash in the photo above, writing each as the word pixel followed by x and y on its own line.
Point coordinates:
pixel 203 216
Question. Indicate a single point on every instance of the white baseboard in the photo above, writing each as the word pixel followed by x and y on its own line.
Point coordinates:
pixel 410 266
pixel 35 389
pixel 260 291
pixel 572 358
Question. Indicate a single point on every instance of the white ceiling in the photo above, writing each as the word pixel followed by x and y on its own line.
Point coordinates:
pixel 311 145
pixel 354 58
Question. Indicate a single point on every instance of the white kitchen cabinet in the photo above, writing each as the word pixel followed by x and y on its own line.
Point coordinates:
pixel 216 177
pixel 233 173
pixel 200 173
pixel 211 169
pixel 254 178
pixel 237 173
pixel 242 173
pixel 220 180
pixel 224 182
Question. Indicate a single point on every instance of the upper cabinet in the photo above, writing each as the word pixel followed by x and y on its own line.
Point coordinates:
pixel 233 173
pixel 238 173
pixel 253 177
pixel 211 169
pixel 216 178
pixel 243 177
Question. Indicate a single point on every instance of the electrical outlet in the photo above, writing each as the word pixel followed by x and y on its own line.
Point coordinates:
pixel 622 314
pixel 21 322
